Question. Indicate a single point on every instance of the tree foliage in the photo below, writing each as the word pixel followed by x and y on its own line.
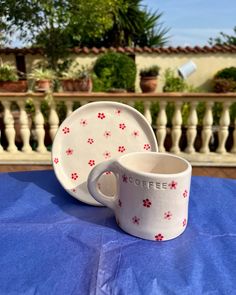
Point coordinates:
pixel 224 39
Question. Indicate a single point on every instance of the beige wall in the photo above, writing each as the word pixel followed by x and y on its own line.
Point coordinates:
pixel 207 64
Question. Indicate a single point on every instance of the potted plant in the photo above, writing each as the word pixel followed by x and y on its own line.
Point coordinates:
pixel 148 78
pixel 9 80
pixel 43 79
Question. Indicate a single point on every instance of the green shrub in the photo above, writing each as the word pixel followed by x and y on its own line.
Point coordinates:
pixel 227 73
pixel 224 85
pixel 173 83
pixel 115 70
pixel 152 71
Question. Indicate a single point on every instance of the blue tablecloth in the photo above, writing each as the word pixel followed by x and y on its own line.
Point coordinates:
pixel 51 243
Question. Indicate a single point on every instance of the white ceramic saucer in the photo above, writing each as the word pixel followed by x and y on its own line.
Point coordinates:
pixel 93 133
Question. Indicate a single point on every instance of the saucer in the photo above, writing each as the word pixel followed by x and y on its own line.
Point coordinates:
pixel 97 132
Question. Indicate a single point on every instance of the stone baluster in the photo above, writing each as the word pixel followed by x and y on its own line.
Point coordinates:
pixel 39 128
pixel 69 107
pixel 224 128
pixel 233 150
pixel 147 111
pixel 53 120
pixel 24 128
pixel 161 126
pixel 192 128
pixel 176 128
pixel 207 128
pixel 9 127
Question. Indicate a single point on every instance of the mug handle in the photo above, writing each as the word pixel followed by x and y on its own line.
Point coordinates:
pixel 93 177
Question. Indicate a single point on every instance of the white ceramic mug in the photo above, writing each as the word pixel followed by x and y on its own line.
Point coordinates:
pixel 152 193
pixel 187 69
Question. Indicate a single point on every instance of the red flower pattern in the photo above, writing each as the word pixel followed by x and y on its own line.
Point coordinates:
pixel 56 160
pixel 135 220
pixel 74 175
pixel 135 133
pixel 184 222
pixel 66 130
pixel 172 184
pixel 107 134
pixel 122 126
pixel 90 140
pixel 168 215
pixel 121 149
pixel 107 155
pixel 69 152
pixel 101 116
pixel 108 172
pixel 147 146
pixel 91 163
pixel 159 237
pixel 185 194
pixel 125 178
pixel 118 112
pixel 83 122
pixel 147 203
pixel 73 190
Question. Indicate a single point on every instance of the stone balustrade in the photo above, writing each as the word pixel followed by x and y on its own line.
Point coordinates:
pixel 202 144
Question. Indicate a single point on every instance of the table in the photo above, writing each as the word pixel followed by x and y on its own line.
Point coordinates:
pixel 50 243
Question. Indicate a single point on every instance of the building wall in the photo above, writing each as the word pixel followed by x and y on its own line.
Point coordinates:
pixel 207 64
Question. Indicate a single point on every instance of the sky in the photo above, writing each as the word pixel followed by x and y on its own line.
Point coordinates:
pixel 193 22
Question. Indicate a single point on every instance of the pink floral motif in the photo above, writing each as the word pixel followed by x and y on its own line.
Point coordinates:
pixel 74 175
pixel 135 133
pixel 118 112
pixel 91 163
pixel 147 146
pixel 66 130
pixel 107 134
pixel 69 152
pixel 107 155
pixel 101 116
pixel 120 203
pixel 185 194
pixel 168 215
pixel 172 184
pixel 184 222
pixel 147 203
pixel 159 237
pixel 90 140
pixel 73 190
pixel 135 220
pixel 56 160
pixel 122 126
pixel 121 149
pixel 83 122
pixel 108 172
pixel 125 178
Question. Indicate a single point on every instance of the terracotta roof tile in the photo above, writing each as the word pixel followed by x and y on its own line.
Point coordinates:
pixel 150 50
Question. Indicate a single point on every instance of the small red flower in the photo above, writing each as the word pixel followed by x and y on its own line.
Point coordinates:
pixel 184 222
pixel 91 163
pixel 168 215
pixel 108 172
pixel 56 160
pixel 118 112
pixel 147 146
pixel 135 220
pixel 122 126
pixel 135 133
pixel 121 149
pixel 147 203
pixel 159 237
pixel 107 155
pixel 69 152
pixel 90 140
pixel 73 190
pixel 107 134
pixel 66 130
pixel 172 184
pixel 101 116
pixel 120 203
pixel 185 194
pixel 125 178
pixel 74 176
pixel 83 122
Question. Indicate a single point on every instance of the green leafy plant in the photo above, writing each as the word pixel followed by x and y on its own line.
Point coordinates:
pixel 42 74
pixel 152 71
pixel 227 73
pixel 75 71
pixel 7 72
pixel 115 70
pixel 173 83
pixel 225 80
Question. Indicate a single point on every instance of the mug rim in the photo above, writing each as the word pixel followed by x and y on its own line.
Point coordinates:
pixel 150 174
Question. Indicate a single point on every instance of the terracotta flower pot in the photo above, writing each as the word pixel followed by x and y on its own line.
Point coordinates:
pixel 43 85
pixel 83 85
pixel 68 85
pixel 14 86
pixel 148 84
